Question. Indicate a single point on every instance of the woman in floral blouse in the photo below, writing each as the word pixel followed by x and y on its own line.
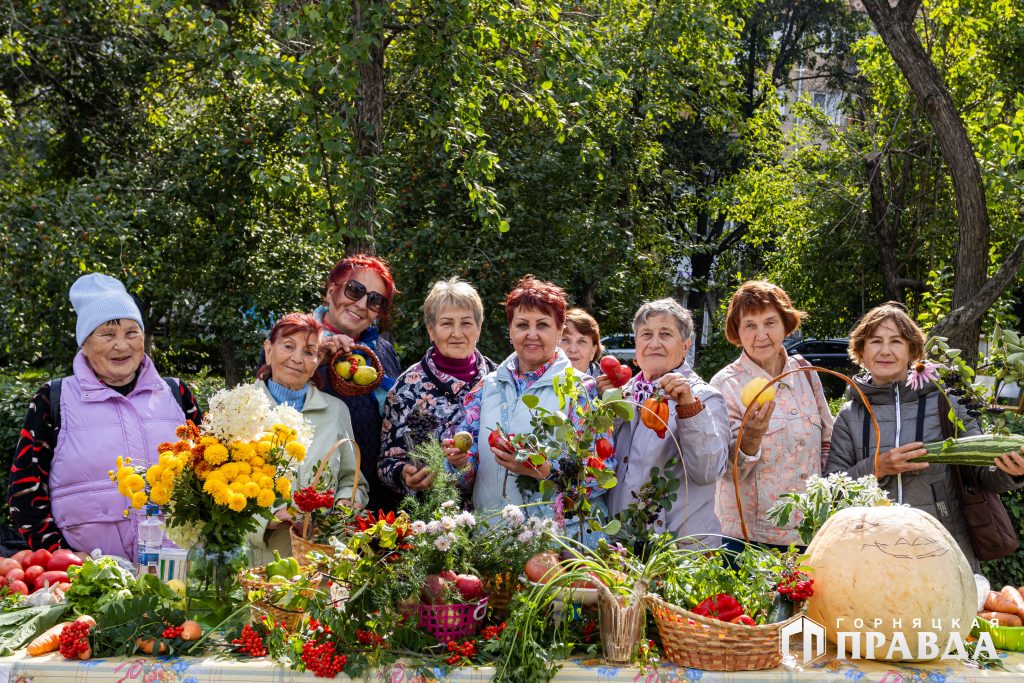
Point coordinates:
pixel 785 440
pixel 427 399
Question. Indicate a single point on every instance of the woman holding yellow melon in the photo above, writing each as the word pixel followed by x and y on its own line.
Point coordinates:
pixel 786 436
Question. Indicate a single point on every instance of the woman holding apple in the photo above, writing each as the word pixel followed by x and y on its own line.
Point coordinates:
pixel 427 399
pixel 358 296
pixel 695 413
pixel 786 437
pixel 535 311
pixel 292 352
pixel 114 403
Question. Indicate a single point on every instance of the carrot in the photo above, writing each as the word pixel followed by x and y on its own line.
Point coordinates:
pixel 49 641
pixel 1001 618
pixel 997 602
pixel 1014 596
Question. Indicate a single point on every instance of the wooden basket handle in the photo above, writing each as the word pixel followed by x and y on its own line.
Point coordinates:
pixel 320 472
pixel 774 380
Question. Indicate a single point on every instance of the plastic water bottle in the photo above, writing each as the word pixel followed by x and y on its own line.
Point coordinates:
pixel 151 537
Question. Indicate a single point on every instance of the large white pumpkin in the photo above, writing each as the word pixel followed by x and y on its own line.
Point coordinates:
pixel 877 569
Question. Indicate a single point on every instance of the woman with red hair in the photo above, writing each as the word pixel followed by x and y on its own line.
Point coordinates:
pixel 535 311
pixel 292 351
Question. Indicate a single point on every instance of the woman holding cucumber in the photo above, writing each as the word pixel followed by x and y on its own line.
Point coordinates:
pixel 885 342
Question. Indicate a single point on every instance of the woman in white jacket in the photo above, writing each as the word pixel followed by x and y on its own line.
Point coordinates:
pixel 289 377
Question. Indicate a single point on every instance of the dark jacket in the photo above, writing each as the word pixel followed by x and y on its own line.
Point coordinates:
pixel 905 415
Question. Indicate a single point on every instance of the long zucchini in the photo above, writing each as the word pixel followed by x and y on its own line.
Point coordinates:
pixel 981 450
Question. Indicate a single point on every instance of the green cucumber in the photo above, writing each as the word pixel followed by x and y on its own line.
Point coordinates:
pixel 981 450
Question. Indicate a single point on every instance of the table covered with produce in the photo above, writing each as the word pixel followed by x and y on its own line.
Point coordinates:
pixel 882 592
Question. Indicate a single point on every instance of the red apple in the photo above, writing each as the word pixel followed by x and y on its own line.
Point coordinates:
pixel 447 574
pixel 470 587
pixel 543 567
pixel 434 589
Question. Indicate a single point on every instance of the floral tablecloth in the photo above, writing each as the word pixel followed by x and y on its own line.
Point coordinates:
pixel 22 669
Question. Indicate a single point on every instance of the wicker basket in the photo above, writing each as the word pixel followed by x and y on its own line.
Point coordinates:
pixel 343 386
pixel 499 589
pixel 301 545
pixel 452 621
pixel 698 642
pixel 290 619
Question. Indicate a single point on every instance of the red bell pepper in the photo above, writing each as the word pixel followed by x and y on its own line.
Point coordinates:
pixel 743 620
pixel 723 607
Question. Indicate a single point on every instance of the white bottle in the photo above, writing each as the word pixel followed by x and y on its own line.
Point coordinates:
pixel 151 537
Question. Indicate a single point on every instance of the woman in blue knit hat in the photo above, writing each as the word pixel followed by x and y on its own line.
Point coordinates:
pixel 114 403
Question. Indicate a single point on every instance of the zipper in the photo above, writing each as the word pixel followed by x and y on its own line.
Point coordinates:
pixel 899 426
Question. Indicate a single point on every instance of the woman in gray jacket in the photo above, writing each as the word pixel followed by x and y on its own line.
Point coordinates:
pixel 885 342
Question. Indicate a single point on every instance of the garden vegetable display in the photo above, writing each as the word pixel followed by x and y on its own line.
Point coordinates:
pixel 49 640
pixel 890 565
pixel 980 450
pixel 723 607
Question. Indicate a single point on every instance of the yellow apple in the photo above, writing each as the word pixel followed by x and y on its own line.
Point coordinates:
pixel 365 375
pixel 344 369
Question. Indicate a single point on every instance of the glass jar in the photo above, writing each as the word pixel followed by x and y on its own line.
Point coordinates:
pixel 214 596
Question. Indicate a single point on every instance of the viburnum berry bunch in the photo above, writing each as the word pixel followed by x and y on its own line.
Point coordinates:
pixel 795 585
pixel 322 659
pixel 465 650
pixel 492 632
pixel 74 639
pixel 250 643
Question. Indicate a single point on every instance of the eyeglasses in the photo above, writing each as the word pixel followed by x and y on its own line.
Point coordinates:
pixel 375 301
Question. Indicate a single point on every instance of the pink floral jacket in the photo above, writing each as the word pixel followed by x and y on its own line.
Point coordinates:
pixel 794 447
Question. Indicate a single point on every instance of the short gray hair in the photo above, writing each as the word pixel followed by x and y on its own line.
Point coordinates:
pixel 453 294
pixel 669 307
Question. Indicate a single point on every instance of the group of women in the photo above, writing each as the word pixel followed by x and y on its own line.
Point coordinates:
pixel 115 402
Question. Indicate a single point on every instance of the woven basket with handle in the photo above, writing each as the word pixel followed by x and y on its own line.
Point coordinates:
pixel 256 580
pixel 301 544
pixel 346 387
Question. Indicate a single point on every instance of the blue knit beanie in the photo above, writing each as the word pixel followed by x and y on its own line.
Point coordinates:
pixel 98 299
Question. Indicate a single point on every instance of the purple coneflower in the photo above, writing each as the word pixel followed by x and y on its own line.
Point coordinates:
pixel 922 373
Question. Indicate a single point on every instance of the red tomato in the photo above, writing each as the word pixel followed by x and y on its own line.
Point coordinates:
pixel 744 620
pixel 40 557
pixel 604 449
pixel 61 561
pixel 18 587
pixel 16 574
pixel 33 573
pixel 22 556
pixel 53 578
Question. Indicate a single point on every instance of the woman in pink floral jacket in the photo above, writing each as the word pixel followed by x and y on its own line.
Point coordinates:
pixel 785 440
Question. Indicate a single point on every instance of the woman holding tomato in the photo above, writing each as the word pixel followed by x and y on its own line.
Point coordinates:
pixel 535 311
pixel 675 399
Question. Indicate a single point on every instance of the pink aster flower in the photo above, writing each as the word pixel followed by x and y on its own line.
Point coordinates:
pixel 922 373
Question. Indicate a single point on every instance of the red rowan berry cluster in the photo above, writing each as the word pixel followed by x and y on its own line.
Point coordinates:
pixel 492 632
pixel 74 639
pixel 250 643
pixel 369 638
pixel 796 586
pixel 308 499
pixel 467 650
pixel 321 659
pixel 172 632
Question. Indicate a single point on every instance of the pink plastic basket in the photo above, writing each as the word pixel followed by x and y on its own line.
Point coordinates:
pixel 452 622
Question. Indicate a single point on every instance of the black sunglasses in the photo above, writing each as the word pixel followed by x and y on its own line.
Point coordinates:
pixel 375 301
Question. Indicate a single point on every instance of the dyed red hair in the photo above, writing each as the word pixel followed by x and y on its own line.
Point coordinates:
pixel 286 326
pixel 343 269
pixel 538 295
pixel 756 296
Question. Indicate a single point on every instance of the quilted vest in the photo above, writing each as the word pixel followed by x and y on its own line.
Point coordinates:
pixel 97 425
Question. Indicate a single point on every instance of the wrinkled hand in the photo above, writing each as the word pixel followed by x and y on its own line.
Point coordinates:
pixel 509 462
pixel 1012 463
pixel 603 384
pixel 896 461
pixel 417 478
pixel 282 519
pixel 676 388
pixel 330 345
pixel 755 426
pixel 457 458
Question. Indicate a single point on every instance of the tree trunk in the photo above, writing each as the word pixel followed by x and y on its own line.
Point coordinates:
pixel 895 24
pixel 233 374
pixel 879 210
pixel 369 123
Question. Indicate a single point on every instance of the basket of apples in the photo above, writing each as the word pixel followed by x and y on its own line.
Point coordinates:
pixel 452 606
pixel 355 372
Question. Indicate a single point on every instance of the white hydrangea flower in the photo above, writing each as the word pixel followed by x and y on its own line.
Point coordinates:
pixel 184 535
pixel 237 414
pixel 513 515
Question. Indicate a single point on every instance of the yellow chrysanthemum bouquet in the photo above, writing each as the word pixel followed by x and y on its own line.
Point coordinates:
pixel 216 480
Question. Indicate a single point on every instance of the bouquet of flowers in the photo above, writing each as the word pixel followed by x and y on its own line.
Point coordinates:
pixel 216 480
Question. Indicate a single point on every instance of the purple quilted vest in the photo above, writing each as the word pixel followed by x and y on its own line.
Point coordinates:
pixel 97 424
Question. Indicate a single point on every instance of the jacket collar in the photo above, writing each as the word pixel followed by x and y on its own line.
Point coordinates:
pixel 557 365
pixel 314 397
pixel 886 393
pixel 747 364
